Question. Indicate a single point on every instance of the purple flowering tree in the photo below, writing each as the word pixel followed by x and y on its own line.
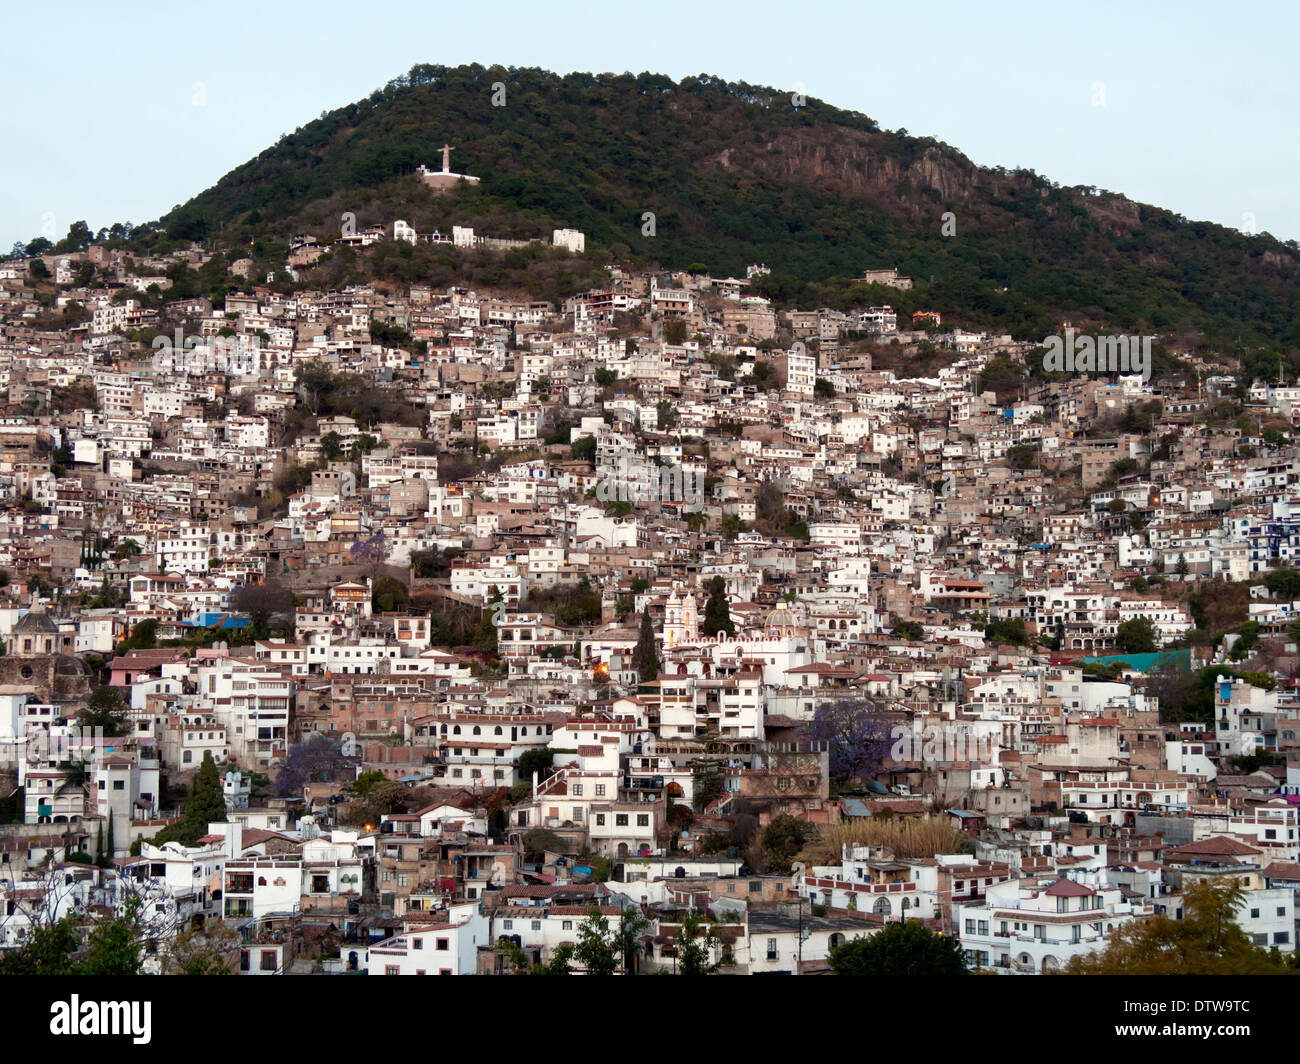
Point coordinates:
pixel 856 733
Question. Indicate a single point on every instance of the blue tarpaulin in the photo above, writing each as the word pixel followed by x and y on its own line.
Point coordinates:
pixel 1145 662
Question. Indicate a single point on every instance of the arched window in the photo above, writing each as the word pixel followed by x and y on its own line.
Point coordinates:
pixel 498 731
pixel 478 730
pixel 882 907
pixel 455 730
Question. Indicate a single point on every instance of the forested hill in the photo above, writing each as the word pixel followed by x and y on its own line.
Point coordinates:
pixel 736 174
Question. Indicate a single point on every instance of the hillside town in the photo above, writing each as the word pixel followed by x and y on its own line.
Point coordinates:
pixel 401 630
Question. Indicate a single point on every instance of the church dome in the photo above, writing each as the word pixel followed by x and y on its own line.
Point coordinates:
pixel 36 622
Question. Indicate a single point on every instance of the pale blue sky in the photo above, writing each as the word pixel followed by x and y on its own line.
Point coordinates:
pixel 100 123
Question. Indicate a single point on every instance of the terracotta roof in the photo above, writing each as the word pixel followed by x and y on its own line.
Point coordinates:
pixel 1068 888
pixel 1218 846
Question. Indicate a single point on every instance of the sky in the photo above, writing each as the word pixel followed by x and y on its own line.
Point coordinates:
pixel 119 112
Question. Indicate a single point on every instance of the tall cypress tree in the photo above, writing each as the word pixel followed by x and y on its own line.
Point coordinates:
pixel 717 614
pixel 645 658
pixel 206 804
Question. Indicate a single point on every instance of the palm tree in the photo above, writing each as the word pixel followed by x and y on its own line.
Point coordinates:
pixel 76 774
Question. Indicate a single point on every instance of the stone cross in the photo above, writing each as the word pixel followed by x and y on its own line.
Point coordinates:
pixel 446 149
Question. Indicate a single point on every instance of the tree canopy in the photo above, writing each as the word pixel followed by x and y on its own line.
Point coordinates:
pixel 1206 941
pixel 900 950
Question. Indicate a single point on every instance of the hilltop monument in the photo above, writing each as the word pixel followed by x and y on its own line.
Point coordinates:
pixel 444 179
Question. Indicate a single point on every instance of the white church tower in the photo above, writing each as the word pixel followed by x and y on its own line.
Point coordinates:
pixel 680 622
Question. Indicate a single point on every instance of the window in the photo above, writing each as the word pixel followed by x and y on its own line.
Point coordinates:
pixel 537 925
pixel 243 961
pixel 269 960
pixel 444 971
pixel 442 943
pixel 600 790
pixel 119 785
pixel 577 788
pixel 643 820
pixel 771 949
pixel 390 969
pixel 620 820
pixel 417 943
pixel 1254 914
pixel 566 925
pixel 600 820
pixel 509 925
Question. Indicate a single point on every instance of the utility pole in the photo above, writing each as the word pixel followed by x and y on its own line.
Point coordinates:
pixel 798 966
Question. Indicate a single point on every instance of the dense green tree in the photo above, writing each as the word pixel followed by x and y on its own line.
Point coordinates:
pixel 1137 636
pixel 104 709
pixel 628 936
pixel 717 611
pixel 645 657
pixel 48 951
pixel 112 949
pixel 1206 941
pixel 695 951
pixel 783 838
pixel 706 781
pixel 542 840
pixel 537 759
pixel 144 636
pixel 206 805
pixel 1247 641
pixel 331 446
pixel 561 961
pixel 388 594
pixel 261 602
pixel 900 950
pixel 596 951
pixel 1006 630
